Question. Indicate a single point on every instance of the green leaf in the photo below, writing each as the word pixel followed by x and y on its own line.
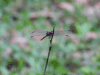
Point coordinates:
pixel 20 63
pixel 79 29
pixel 54 63
pixel 62 70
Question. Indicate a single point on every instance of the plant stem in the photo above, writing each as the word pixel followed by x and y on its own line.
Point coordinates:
pixel 49 52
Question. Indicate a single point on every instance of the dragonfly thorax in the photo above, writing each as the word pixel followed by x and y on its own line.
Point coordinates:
pixel 49 33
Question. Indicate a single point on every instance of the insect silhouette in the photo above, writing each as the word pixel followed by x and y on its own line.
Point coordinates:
pixel 48 33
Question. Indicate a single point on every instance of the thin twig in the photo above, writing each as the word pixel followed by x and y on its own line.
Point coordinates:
pixel 48 53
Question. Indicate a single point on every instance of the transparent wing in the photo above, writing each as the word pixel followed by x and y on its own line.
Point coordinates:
pixel 42 33
pixel 60 33
pixel 38 33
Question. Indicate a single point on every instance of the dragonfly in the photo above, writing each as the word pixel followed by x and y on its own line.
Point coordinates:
pixel 47 33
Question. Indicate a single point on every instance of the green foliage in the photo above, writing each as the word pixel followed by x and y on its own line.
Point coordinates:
pixel 61 70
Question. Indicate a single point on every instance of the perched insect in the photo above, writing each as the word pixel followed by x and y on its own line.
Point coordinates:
pixel 48 33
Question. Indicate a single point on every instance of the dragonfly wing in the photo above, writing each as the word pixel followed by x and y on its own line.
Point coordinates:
pixel 38 33
pixel 60 33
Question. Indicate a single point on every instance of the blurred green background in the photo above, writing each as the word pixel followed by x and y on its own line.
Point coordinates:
pixel 78 54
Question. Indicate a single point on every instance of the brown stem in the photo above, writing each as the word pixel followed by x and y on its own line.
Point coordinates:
pixel 49 52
